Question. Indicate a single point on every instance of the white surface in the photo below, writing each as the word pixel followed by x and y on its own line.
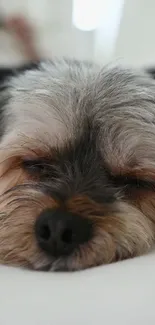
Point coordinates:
pixel 122 293
pixel 126 30
pixel 135 40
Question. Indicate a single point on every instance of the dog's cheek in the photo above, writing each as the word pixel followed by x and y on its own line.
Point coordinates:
pixel 17 242
pixel 16 238
pixel 121 235
pixel 131 230
pixel 18 245
pixel 144 200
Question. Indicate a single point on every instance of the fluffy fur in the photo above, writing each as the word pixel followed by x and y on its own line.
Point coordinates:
pixel 82 137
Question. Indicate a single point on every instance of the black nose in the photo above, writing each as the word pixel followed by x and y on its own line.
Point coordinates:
pixel 59 232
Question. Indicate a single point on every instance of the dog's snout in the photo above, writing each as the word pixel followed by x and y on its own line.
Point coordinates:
pixel 59 232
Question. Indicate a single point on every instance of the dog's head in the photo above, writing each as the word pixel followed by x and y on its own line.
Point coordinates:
pixel 77 166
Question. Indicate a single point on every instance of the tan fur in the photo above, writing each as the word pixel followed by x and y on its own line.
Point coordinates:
pixel 17 224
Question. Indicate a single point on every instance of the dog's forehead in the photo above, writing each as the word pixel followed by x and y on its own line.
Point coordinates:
pixel 47 102
pixel 51 102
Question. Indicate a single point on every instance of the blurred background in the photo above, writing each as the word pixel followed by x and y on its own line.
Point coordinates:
pixel 99 30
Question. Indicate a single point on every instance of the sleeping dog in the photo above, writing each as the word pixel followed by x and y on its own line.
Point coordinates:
pixel 77 165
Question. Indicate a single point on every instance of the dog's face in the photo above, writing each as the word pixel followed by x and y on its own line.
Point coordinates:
pixel 77 166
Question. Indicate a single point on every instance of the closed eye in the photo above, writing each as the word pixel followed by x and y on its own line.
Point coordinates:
pixel 33 165
pixel 134 183
pixel 39 167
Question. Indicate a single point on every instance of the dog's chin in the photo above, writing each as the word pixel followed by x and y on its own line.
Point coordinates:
pixel 56 266
pixel 44 268
pixel 52 265
pixel 62 264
